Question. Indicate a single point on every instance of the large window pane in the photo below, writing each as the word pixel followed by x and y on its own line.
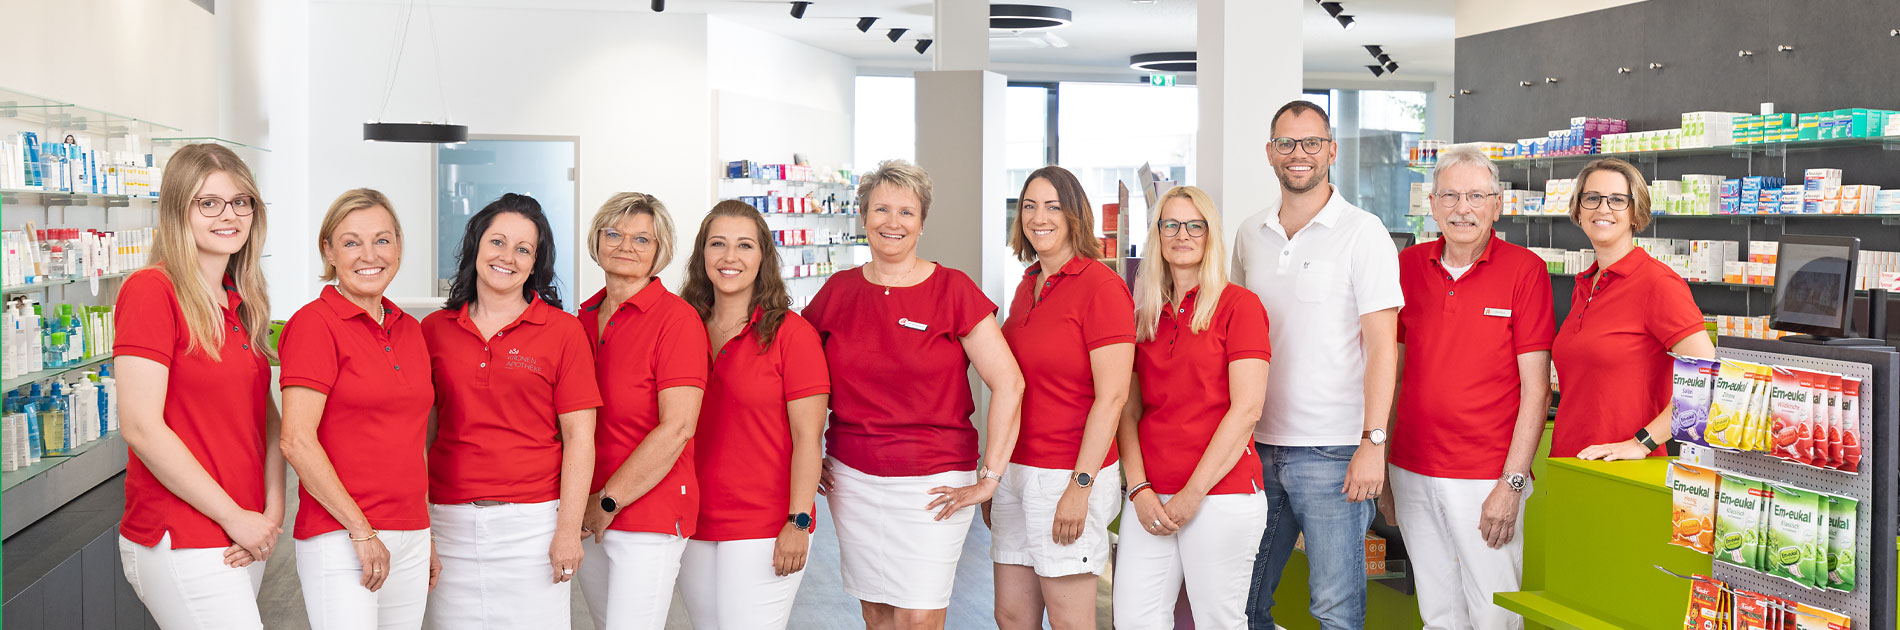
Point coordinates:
pixel 1025 132
pixel 1372 127
pixel 1107 131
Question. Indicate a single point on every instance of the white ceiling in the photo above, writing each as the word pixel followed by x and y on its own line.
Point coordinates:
pixel 1417 33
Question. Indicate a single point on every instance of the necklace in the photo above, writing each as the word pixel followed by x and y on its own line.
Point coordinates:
pixel 728 330
pixel 887 281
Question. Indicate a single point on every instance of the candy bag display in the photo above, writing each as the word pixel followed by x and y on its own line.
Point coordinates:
pixel 1794 531
pixel 1694 388
pixel 1693 516
pixel 1790 407
pixel 1842 521
pixel 1811 618
pixel 1756 435
pixel 1835 383
pixel 1705 604
pixel 1728 408
pixel 1850 425
pixel 1738 511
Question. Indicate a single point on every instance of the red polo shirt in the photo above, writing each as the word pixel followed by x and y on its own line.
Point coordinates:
pixel 900 384
pixel 1083 307
pixel 498 402
pixel 215 405
pixel 1613 365
pixel 1185 388
pixel 654 341
pixel 1458 401
pixel 746 432
pixel 375 424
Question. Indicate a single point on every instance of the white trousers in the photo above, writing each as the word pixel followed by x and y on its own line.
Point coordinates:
pixel 495 569
pixel 628 578
pixel 731 585
pixel 1455 571
pixel 332 578
pixel 1213 554
pixel 192 589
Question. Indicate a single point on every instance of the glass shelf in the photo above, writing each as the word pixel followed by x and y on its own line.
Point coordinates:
pixel 821 246
pixel 787 182
pixel 1885 219
pixel 68 117
pixel 107 441
pixel 180 142
pixel 822 275
pixel 14 196
pixel 810 214
pixel 35 377
pixel 1770 149
pixel 38 286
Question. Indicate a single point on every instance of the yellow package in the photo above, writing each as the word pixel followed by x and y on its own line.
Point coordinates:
pixel 1728 411
pixel 1759 414
pixel 1693 489
pixel 1811 618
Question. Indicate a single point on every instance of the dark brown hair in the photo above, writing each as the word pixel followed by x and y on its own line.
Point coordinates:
pixel 1295 107
pixel 768 290
pixel 1075 206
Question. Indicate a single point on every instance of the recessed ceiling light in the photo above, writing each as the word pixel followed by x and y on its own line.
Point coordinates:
pixel 1345 21
pixel 1163 62
pixel 1028 17
pixel 1376 70
pixel 1333 9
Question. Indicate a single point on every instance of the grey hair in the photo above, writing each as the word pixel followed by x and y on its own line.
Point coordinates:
pixel 1465 156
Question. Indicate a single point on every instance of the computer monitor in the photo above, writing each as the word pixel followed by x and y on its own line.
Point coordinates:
pixel 1403 240
pixel 1814 285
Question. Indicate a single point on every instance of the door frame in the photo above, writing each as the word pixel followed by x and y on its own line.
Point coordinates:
pixel 435 203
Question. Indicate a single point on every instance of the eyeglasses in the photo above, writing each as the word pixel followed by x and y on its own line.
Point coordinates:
pixel 1171 228
pixel 1618 202
pixel 613 238
pixel 1451 199
pixel 1310 144
pixel 212 207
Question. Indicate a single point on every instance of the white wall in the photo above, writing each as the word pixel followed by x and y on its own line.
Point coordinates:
pixel 631 85
pixel 153 59
pixel 775 96
pixel 1483 16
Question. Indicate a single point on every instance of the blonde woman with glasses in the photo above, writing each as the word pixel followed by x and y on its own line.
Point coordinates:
pixel 1201 356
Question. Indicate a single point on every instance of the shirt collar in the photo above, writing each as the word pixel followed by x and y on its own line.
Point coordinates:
pixel 345 309
pixel 1623 268
pixel 233 299
pixel 1328 216
pixel 1187 301
pixel 1438 250
pixel 1075 266
pixel 644 299
pixel 537 313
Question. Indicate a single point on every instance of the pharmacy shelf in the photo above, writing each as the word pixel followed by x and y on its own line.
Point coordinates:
pixel 822 275
pixel 1884 219
pixel 41 286
pixel 56 114
pixel 11 479
pixel 1769 149
pixel 36 491
pixel 824 245
pixel 1697 283
pixel 811 214
pixel 786 182
pixel 11 196
pixel 182 141
pixel 35 377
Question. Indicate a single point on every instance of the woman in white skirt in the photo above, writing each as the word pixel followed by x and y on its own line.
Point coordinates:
pixel 1186 435
pixel 1071 324
pixel 903 473
pixel 760 443
pixel 514 441
pixel 357 394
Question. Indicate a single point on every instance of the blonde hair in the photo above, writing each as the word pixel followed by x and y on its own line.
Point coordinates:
pixel 175 251
pixel 1639 191
pixel 627 205
pixel 900 174
pixel 1154 284
pixel 351 201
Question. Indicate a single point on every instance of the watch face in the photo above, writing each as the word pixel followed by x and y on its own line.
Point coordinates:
pixel 802 520
pixel 1378 436
pixel 607 504
pixel 1083 479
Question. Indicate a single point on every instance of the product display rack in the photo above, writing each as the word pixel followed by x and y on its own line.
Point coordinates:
pixel 841 256
pixel 40 286
pixel 50 113
pixel 42 375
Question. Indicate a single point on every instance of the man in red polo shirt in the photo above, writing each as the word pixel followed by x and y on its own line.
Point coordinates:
pixel 1474 342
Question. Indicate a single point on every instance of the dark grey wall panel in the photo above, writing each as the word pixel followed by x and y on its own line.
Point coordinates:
pixel 63 595
pixel 100 562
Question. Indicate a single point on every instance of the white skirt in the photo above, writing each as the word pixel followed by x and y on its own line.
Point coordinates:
pixel 890 549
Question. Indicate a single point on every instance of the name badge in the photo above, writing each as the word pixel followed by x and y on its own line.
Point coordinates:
pixel 905 322
pixel 1498 312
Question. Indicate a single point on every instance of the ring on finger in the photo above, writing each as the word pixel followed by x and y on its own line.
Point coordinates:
pixel 567 571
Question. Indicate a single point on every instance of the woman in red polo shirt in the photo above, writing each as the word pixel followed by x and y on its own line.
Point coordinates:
pixel 650 348
pixel 1186 436
pixel 759 433
pixel 355 424
pixel 1627 313
pixel 903 475
pixel 1071 326
pixel 514 440
pixel 204 496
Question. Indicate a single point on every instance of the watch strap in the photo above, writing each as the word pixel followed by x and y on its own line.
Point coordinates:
pixel 1643 437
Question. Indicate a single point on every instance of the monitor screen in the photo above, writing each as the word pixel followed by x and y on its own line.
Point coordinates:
pixel 1403 240
pixel 1813 284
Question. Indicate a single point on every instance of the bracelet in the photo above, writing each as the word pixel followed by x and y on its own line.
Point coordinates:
pixel 372 536
pixel 1140 487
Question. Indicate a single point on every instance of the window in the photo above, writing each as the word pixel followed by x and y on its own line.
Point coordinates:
pixel 1371 128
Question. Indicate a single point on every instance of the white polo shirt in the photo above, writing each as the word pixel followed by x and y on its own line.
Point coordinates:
pixel 1315 286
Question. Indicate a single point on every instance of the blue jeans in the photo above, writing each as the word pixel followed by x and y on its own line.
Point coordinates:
pixel 1303 486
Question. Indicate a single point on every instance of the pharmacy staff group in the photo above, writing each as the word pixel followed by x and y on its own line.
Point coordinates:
pixel 463 470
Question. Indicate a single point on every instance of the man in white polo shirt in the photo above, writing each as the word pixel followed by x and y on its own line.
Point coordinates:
pixel 1329 276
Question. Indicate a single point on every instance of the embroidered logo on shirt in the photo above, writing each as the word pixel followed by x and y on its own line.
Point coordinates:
pixel 517 361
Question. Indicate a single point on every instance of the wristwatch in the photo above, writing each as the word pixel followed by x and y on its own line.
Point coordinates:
pixel 1377 436
pixel 1648 441
pixel 1082 479
pixel 1515 481
pixel 607 504
pixel 984 472
pixel 801 520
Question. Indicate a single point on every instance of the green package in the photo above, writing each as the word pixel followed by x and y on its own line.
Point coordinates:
pixel 1738 509
pixel 1795 537
pixel 1841 523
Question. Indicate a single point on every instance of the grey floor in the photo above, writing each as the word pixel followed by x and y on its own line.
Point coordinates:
pixel 822 603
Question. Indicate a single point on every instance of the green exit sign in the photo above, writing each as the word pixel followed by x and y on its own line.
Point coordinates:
pixel 1161 80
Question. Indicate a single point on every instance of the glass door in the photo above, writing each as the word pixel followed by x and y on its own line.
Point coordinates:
pixel 470 175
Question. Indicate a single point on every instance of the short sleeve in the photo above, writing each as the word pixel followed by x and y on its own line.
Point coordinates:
pixel 145 318
pixel 1673 314
pixel 1375 272
pixel 1533 324
pixel 968 302
pixel 815 311
pixel 1108 315
pixel 576 387
pixel 1247 327
pixel 802 359
pixel 307 350
pixel 679 355
pixel 1237 272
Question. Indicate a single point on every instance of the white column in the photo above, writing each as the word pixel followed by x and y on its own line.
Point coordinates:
pixel 1249 65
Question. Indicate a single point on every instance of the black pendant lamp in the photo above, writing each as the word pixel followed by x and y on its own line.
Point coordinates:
pixel 425 131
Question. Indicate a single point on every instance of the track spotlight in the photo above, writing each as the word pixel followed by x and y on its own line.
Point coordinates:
pixel 1376 70
pixel 1392 66
pixel 1375 49
pixel 864 23
pixel 798 9
pixel 923 45
pixel 1333 9
pixel 659 6
pixel 896 34
pixel 1385 58
pixel 1345 21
